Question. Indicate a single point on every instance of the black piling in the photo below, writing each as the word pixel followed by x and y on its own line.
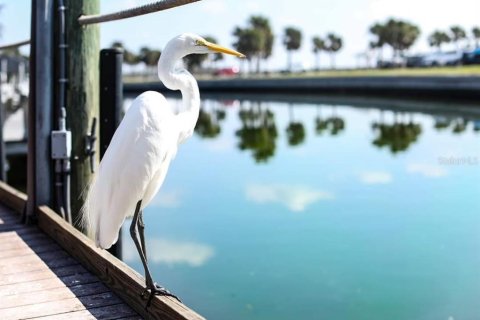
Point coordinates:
pixel 111 101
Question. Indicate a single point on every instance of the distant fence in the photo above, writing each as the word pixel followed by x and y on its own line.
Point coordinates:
pixel 15 44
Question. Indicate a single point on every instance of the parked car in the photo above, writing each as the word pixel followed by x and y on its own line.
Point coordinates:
pixel 414 61
pixel 472 57
pixel 438 59
pixel 397 62
pixel 227 71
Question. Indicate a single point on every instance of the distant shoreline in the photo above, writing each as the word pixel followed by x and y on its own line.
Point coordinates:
pixel 448 87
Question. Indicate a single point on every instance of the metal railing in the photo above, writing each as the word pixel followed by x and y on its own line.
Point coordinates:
pixel 133 12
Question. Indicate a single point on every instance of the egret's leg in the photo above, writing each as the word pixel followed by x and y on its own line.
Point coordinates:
pixel 141 230
pixel 134 235
pixel 141 248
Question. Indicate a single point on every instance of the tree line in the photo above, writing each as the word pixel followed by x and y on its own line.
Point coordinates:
pixel 256 40
pixel 150 56
pixel 401 35
pixel 455 34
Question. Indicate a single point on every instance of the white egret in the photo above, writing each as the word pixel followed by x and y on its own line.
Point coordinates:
pixel 136 161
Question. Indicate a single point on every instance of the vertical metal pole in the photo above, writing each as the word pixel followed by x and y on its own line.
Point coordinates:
pixel 111 102
pixel 39 185
pixel 3 158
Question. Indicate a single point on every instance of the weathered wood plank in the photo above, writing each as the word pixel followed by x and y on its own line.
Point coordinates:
pixel 67 305
pixel 12 244
pixel 12 198
pixel 17 252
pixel 102 313
pixel 9 220
pixel 42 274
pixel 89 289
pixel 29 237
pixel 42 309
pixel 36 297
pixel 123 280
pixel 94 299
pixel 46 284
pixel 77 315
pixel 36 265
pixel 113 312
pixel 46 257
pixel 18 230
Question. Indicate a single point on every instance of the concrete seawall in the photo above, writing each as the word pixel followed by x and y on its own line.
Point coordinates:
pixel 454 87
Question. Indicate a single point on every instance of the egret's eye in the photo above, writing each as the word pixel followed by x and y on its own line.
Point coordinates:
pixel 199 43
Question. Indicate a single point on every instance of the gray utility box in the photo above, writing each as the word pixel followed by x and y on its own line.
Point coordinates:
pixel 61 144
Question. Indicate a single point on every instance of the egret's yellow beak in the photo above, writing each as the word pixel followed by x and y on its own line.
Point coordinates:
pixel 217 48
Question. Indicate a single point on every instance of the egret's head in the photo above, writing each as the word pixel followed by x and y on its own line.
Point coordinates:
pixel 192 43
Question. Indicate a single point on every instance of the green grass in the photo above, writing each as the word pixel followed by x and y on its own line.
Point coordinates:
pixel 437 71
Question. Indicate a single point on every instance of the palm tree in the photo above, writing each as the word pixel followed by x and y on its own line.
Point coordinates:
pixel 437 38
pixel 248 42
pixel 398 34
pixel 334 44
pixel 128 57
pixel 318 47
pixel 458 34
pixel 378 31
pixel 257 38
pixel 401 35
pixel 149 57
pixel 292 40
pixel 262 25
pixel 476 36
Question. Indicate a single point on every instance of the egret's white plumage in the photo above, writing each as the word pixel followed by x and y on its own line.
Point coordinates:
pixel 137 159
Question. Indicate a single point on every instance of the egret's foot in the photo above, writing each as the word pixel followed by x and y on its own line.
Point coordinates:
pixel 157 290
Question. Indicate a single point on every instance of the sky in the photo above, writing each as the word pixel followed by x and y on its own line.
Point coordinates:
pixel 347 18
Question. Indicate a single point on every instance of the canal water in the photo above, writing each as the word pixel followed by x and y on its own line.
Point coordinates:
pixel 321 208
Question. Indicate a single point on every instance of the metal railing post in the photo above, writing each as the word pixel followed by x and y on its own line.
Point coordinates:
pixel 3 151
pixel 39 182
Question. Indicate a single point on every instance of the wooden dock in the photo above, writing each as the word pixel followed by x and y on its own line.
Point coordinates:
pixel 52 271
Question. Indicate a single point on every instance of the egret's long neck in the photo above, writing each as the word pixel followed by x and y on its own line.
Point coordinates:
pixel 181 79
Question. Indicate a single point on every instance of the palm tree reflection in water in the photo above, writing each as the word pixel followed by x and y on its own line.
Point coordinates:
pixel 333 124
pixel 295 130
pixel 208 124
pixel 397 137
pixel 258 132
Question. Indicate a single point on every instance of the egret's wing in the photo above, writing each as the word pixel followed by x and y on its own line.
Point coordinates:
pixel 135 156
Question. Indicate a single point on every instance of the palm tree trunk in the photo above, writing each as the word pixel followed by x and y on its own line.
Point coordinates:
pixel 317 60
pixel 380 54
pixel 289 59
pixel 258 63
pixel 332 60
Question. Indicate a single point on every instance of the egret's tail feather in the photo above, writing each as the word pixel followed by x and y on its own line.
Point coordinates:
pixel 89 214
